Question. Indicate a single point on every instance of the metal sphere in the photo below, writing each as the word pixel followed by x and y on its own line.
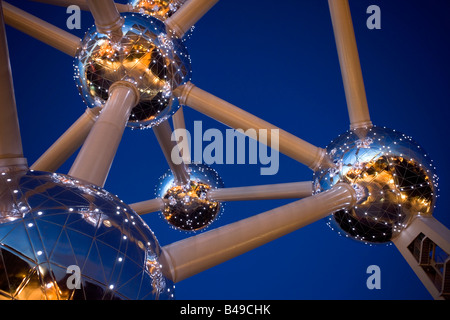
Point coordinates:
pixel 52 224
pixel 145 55
pixel 187 207
pixel 160 9
pixel 393 177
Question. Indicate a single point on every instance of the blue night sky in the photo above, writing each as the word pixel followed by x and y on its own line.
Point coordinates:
pixel 277 60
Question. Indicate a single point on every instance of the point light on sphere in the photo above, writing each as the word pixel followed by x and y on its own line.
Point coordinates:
pixel 55 222
pixel 155 62
pixel 393 177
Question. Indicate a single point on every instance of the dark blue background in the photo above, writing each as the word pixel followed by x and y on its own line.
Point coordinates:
pixel 277 60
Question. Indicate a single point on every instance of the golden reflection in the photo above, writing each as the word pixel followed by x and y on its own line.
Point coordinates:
pixel 188 208
pixel 27 281
pixel 160 9
pixel 399 182
pixel 393 181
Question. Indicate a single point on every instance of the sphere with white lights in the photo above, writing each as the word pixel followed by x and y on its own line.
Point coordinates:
pixel 393 177
pixel 160 9
pixel 145 55
pixel 187 206
pixel 63 239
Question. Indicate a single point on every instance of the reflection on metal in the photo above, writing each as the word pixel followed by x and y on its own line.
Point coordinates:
pixel 146 56
pixel 160 9
pixel 67 222
pixel 393 178
pixel 379 183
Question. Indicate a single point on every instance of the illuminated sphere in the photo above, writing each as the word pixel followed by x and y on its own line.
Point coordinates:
pixel 160 9
pixel 146 56
pixel 187 207
pixel 392 176
pixel 51 223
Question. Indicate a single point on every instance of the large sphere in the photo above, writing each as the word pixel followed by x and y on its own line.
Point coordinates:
pixel 187 207
pixel 392 175
pixel 146 56
pixel 160 9
pixel 52 224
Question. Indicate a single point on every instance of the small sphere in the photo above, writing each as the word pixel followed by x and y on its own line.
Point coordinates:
pixel 155 62
pixel 55 229
pixel 187 207
pixel 160 9
pixel 394 180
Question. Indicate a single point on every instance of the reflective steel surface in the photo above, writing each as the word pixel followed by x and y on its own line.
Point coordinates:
pixel 55 226
pixel 146 56
pixel 187 207
pixel 392 175
pixel 160 9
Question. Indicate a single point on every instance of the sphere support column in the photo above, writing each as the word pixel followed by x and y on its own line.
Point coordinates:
pixel 96 156
pixel 350 65
pixel 107 17
pixel 163 133
pixel 11 153
pixel 290 190
pixel 68 143
pixel 43 31
pixel 237 118
pixel 188 15
pixel 190 256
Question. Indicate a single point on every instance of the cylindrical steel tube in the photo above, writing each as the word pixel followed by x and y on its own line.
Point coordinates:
pixel 163 133
pixel 68 143
pixel 10 140
pixel 271 191
pixel 350 64
pixel 97 154
pixel 41 30
pixel 237 118
pixel 190 256
pixel 188 15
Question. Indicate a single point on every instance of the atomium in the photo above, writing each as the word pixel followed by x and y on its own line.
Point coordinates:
pixel 154 61
pixel 51 221
pixel 374 181
pixel 187 207
pixel 393 177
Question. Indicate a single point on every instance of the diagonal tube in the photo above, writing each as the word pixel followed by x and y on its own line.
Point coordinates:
pixel 68 143
pixel 290 190
pixel 237 118
pixel 180 125
pixel 148 206
pixel 188 15
pixel 163 133
pixel 107 17
pixel 190 256
pixel 41 30
pixel 355 92
pixel 97 153
pixel 11 152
